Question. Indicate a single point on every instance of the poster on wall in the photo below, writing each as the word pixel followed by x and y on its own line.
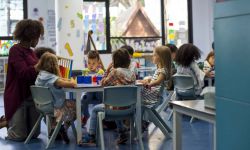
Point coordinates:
pixel 93 15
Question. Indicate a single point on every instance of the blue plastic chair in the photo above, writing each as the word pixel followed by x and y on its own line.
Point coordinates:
pixel 43 99
pixel 153 113
pixel 119 96
pixel 184 87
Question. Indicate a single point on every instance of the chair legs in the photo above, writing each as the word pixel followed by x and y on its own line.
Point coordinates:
pixel 170 115
pixel 33 129
pixel 159 122
pixel 74 129
pixel 139 135
pixel 53 137
pixel 100 127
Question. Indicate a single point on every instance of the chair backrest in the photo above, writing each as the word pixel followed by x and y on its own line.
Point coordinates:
pixel 43 99
pixel 120 96
pixel 184 86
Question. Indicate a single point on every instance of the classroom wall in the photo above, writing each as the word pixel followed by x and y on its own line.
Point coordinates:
pixel 45 11
pixel 203 25
pixel 67 10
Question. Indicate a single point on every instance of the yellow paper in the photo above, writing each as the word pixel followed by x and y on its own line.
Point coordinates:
pixel 171 36
pixel 137 55
pixel 68 48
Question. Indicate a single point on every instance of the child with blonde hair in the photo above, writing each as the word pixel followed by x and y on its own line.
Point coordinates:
pixel 154 86
pixel 49 76
pixel 152 92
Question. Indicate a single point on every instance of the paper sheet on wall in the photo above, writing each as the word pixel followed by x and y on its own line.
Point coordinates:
pixel 59 24
pixel 72 24
pixel 78 32
pixel 79 15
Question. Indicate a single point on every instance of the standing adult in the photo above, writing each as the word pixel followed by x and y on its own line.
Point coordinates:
pixel 20 111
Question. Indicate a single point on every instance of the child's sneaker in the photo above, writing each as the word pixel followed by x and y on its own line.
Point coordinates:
pixel 123 136
pixel 89 140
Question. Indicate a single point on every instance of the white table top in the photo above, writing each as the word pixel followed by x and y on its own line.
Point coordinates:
pixel 197 105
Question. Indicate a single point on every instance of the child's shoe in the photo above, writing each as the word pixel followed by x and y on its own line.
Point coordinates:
pixel 64 135
pixel 89 140
pixel 123 136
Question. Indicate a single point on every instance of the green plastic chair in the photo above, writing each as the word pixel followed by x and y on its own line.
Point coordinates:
pixel 43 99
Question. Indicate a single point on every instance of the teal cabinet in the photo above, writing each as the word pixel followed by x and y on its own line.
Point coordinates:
pixel 232 50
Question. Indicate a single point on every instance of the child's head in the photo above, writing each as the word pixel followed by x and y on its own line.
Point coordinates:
pixel 28 31
pixel 39 51
pixel 173 50
pixel 210 58
pixel 121 58
pixel 48 62
pixel 186 54
pixel 93 60
pixel 162 57
pixel 129 49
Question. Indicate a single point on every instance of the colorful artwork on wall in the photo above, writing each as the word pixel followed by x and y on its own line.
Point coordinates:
pixel 5 46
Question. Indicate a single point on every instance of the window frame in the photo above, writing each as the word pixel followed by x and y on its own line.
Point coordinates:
pixel 163 34
pixel 25 16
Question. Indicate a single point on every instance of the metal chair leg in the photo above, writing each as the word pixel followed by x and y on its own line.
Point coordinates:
pixel 53 137
pixel 100 118
pixel 33 129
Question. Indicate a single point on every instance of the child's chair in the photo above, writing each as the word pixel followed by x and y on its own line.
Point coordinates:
pixel 43 99
pixel 153 113
pixel 116 97
pixel 184 89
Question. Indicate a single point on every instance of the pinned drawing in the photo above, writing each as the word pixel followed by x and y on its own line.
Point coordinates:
pixel 68 48
pixel 59 24
pixel 72 23
pixel 79 15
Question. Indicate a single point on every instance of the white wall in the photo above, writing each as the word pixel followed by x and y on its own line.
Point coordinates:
pixel 46 10
pixel 203 25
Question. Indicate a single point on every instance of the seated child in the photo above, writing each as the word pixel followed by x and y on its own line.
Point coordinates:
pixel 119 75
pixel 49 76
pixel 185 59
pixel 39 51
pixel 133 64
pixel 87 98
pixel 173 50
pixel 153 87
pixel 208 68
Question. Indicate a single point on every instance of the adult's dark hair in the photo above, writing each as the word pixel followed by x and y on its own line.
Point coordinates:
pixel 39 51
pixel 172 48
pixel 129 49
pixel 121 58
pixel 213 45
pixel 28 30
pixel 93 55
pixel 186 54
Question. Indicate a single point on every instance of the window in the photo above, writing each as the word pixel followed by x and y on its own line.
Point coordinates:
pixel 94 15
pixel 142 24
pixel 11 11
pixel 177 23
pixel 136 23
